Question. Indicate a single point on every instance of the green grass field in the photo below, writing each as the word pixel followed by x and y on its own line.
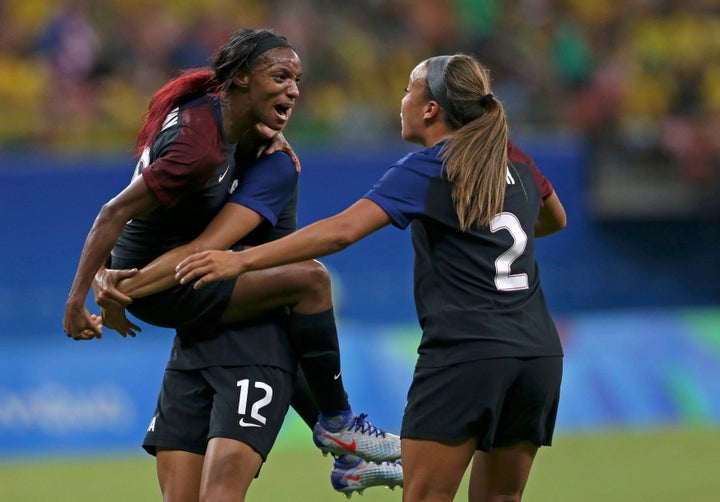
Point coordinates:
pixel 658 466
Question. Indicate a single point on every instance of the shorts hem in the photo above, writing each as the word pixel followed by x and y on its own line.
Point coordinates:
pixel 169 444
pixel 438 439
pixel 252 444
pixel 511 442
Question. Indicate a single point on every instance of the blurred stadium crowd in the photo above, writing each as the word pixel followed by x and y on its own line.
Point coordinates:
pixel 639 75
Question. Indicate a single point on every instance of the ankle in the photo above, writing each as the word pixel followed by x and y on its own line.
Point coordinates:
pixel 335 420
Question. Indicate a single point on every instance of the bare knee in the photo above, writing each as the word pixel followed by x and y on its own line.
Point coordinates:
pixel 317 274
pixel 316 287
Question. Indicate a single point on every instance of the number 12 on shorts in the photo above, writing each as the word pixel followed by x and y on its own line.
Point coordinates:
pixel 256 406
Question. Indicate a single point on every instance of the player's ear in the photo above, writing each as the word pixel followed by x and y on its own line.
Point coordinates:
pixel 432 108
pixel 242 81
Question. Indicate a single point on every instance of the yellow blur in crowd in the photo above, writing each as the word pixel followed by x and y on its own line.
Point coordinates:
pixel 78 74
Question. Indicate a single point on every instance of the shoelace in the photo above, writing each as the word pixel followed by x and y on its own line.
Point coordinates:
pixel 366 427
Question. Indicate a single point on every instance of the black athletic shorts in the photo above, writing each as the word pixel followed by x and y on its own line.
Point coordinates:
pixel 245 403
pixel 500 402
pixel 194 313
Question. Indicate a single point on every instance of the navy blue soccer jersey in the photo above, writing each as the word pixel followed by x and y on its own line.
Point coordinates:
pixel 477 292
pixel 268 186
pixel 190 169
pixel 193 172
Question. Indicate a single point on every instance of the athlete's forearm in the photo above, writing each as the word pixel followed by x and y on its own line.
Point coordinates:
pixel 99 242
pixel 322 238
pixel 229 226
pixel 319 239
pixel 158 275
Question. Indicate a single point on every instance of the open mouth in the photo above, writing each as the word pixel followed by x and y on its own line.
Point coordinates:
pixel 283 111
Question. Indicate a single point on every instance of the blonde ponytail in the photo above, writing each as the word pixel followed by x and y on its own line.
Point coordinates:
pixel 475 158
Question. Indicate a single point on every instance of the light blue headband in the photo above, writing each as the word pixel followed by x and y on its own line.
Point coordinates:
pixel 436 79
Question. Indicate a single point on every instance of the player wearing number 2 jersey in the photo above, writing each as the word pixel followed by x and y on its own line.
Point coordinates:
pixel 477 292
pixel 487 380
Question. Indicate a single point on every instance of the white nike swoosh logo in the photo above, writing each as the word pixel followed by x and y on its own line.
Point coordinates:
pixel 243 423
pixel 335 377
pixel 223 174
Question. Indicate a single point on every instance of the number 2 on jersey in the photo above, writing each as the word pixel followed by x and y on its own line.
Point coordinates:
pixel 504 280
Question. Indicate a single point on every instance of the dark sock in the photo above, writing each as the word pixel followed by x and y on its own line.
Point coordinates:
pixel 303 401
pixel 314 337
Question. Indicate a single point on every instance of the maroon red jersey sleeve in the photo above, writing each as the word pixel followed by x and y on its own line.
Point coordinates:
pixel 515 154
pixel 192 158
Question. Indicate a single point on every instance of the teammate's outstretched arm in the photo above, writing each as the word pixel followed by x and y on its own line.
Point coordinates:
pixel 319 239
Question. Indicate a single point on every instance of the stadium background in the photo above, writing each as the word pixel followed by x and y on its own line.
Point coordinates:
pixel 619 107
